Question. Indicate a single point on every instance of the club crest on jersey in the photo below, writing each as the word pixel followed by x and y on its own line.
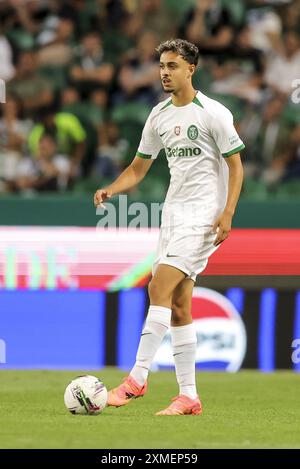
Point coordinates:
pixel 192 132
pixel 177 130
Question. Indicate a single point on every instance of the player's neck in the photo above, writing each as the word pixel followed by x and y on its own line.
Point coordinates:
pixel 183 97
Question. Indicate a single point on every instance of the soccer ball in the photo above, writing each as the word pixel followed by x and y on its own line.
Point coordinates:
pixel 85 395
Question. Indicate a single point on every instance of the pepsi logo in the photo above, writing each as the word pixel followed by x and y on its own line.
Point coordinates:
pixel 221 334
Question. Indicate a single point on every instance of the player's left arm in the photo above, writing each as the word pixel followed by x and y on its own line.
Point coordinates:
pixel 222 225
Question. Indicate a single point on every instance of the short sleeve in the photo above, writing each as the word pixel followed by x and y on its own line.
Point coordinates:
pixel 150 144
pixel 225 134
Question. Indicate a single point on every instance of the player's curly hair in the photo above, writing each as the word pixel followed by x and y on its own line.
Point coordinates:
pixel 187 50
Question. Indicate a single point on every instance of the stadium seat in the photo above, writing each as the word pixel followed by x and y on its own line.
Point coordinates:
pixel 254 189
pixel 288 189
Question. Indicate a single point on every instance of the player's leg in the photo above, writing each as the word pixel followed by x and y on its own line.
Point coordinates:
pixel 182 303
pixel 161 289
pixel 184 342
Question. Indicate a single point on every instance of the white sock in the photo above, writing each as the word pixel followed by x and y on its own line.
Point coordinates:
pixel 156 326
pixel 184 342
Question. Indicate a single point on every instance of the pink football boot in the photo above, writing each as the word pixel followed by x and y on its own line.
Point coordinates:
pixel 125 392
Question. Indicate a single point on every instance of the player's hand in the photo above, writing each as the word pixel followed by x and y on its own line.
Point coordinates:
pixel 222 227
pixel 100 196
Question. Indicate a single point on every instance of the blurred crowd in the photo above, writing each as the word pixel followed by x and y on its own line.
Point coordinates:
pixel 82 76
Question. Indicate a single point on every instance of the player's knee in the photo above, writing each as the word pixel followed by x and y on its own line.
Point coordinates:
pixel 179 312
pixel 157 294
pixel 154 291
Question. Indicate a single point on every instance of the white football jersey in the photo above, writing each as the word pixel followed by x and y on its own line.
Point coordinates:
pixel 196 138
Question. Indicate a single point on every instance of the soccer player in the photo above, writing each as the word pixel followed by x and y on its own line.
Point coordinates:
pixel 202 148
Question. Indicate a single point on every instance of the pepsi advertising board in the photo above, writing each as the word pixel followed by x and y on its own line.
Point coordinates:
pixel 257 329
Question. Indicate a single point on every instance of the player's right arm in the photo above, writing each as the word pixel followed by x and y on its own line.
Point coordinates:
pixel 148 150
pixel 229 145
pixel 129 178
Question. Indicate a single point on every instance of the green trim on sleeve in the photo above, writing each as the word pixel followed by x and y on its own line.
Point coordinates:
pixel 143 155
pixel 232 152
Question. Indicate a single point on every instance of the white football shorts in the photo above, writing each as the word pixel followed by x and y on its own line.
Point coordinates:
pixel 186 248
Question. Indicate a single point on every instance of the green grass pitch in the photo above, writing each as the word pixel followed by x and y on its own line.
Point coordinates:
pixel 243 410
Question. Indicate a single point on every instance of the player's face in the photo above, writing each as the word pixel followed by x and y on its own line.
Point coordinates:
pixel 175 72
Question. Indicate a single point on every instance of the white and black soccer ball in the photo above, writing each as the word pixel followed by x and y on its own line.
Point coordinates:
pixel 85 395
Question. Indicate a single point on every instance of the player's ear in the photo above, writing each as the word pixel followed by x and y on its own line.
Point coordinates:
pixel 192 69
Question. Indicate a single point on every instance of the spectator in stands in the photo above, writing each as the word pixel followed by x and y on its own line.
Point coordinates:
pixel 284 68
pixel 118 41
pixel 35 92
pixel 209 26
pixel 69 96
pixel 59 51
pixel 49 25
pixel 115 11
pixel 286 166
pixel 266 135
pixel 83 13
pixel 265 27
pixel 49 171
pixel 243 50
pixel 241 71
pixel 7 69
pixel 111 151
pixel 290 16
pixel 68 134
pixel 156 17
pixel 91 110
pixel 14 131
pixel 91 69
pixel 291 158
pixel 99 98
pixel 25 15
pixel 90 113
pixel 42 19
pixel 139 75
pixel 74 48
